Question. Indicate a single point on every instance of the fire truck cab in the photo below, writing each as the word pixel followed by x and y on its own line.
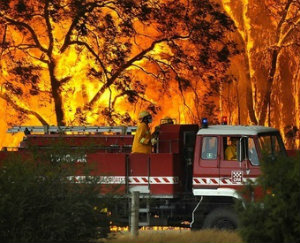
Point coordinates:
pixel 217 174
pixel 188 180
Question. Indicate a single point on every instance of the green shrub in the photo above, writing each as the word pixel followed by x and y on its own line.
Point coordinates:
pixel 276 216
pixel 40 202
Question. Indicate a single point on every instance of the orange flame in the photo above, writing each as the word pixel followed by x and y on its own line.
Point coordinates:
pixel 77 91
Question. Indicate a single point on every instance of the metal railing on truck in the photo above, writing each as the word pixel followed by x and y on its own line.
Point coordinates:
pixel 121 130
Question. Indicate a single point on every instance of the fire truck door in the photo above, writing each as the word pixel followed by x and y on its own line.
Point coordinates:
pixel 206 167
pixel 250 164
pixel 232 172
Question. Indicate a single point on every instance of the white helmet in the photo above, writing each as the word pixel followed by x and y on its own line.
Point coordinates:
pixel 167 120
pixel 143 114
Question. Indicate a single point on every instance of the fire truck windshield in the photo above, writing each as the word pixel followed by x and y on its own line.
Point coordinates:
pixel 271 144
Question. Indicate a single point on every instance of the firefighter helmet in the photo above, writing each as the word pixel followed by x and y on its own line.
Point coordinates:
pixel 143 114
pixel 167 120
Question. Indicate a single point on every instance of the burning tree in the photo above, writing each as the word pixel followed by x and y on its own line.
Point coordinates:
pixel 84 60
pixel 269 32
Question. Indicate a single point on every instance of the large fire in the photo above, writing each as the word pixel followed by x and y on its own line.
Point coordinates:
pixel 62 66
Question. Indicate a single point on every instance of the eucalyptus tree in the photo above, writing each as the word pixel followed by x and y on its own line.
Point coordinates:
pixel 80 58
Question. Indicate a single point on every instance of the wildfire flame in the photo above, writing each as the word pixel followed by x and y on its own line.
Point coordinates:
pixel 78 89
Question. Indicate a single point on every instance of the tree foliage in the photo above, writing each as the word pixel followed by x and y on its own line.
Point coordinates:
pixel 40 203
pixel 276 217
pixel 81 58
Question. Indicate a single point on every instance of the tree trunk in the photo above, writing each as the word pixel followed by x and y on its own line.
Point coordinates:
pixel 243 36
pixel 249 92
pixel 55 90
pixel 297 105
pixel 267 96
pixel 238 102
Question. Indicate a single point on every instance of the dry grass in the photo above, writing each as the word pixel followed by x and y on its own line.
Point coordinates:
pixel 150 236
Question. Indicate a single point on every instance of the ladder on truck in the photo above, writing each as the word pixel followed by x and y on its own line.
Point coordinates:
pixel 121 130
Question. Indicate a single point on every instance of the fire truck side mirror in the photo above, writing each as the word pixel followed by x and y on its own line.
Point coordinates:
pixel 242 149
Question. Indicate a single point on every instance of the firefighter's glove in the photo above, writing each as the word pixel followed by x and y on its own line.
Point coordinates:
pixel 153 141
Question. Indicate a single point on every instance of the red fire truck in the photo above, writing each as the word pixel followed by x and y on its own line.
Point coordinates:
pixel 186 181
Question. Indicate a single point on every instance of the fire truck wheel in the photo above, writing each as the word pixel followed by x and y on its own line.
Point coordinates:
pixel 221 218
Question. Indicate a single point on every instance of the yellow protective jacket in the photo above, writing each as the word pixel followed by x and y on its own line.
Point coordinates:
pixel 231 153
pixel 142 139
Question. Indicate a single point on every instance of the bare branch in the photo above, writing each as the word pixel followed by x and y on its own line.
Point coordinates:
pixel 145 71
pixel 49 27
pixel 24 46
pixel 122 68
pixel 3 41
pixel 23 110
pixel 127 92
pixel 292 27
pixel 68 35
pixel 64 80
pixel 291 44
pixel 90 49
pixel 41 58
pixel 88 7
pixel 30 29
pixel 283 19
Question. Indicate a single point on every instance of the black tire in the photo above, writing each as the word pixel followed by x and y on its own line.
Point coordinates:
pixel 221 218
pixel 196 227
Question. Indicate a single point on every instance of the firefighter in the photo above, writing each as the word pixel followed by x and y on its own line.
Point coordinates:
pixel 231 150
pixel 165 121
pixel 143 141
